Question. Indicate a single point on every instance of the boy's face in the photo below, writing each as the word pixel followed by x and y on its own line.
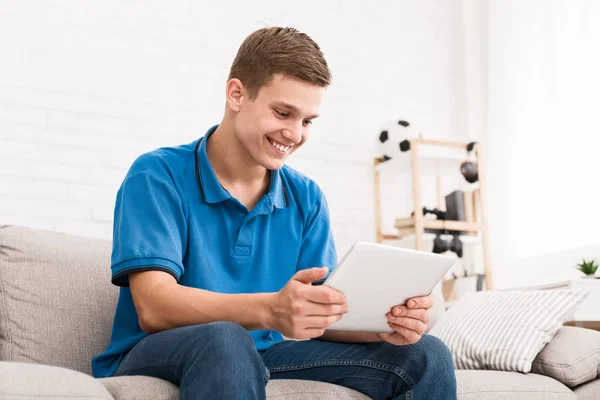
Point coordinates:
pixel 277 122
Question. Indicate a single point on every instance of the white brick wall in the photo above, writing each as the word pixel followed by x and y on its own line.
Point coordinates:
pixel 85 87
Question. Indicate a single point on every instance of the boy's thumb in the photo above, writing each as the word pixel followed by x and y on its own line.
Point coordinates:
pixel 310 275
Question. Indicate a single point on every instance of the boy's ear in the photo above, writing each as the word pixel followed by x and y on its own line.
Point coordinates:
pixel 235 93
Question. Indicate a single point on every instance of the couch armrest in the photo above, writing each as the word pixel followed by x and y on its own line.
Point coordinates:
pixel 35 381
pixel 572 357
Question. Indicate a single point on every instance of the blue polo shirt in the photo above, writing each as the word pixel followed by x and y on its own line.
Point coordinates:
pixel 173 215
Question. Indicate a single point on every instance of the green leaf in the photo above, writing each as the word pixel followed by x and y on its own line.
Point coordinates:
pixel 588 267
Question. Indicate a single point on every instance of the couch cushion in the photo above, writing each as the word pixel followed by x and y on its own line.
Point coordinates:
pixel 501 385
pixel 504 330
pixel 32 381
pixel 142 388
pixel 472 385
pixel 280 389
pixel 56 299
pixel 572 356
pixel 588 391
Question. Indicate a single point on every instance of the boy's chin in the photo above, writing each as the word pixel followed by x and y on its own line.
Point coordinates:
pixel 273 164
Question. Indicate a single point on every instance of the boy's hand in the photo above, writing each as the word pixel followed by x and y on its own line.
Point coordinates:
pixel 303 311
pixel 408 321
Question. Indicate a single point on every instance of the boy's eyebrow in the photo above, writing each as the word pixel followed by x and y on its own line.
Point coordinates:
pixel 292 107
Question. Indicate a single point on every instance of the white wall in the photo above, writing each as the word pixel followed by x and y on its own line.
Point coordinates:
pixel 543 137
pixel 85 87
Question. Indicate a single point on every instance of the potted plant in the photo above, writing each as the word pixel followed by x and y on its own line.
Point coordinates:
pixel 588 267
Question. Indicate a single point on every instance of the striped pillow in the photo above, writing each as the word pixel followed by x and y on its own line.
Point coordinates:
pixel 504 330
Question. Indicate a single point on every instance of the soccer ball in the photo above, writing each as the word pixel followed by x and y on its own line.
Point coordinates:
pixel 393 139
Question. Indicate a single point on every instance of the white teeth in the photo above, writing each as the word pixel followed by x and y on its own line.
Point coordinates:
pixel 279 147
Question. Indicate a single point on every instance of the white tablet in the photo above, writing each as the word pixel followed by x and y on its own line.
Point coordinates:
pixel 375 277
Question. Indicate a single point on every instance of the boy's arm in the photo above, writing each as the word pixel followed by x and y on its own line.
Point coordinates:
pixel 299 310
pixel 162 303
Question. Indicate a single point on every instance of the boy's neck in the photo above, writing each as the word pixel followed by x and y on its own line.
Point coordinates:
pixel 234 167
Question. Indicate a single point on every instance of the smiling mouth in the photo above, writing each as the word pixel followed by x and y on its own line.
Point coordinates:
pixel 280 147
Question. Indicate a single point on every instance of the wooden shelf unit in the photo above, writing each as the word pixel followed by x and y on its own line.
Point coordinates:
pixel 417 223
pixel 407 226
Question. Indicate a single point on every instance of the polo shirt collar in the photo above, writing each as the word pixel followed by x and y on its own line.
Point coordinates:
pixel 210 187
pixel 212 190
pixel 277 190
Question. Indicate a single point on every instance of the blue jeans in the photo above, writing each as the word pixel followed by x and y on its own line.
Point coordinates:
pixel 219 361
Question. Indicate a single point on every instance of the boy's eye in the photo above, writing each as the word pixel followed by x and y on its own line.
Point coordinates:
pixel 282 114
pixel 307 122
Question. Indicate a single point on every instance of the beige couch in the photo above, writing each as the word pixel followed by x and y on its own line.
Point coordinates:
pixel 56 311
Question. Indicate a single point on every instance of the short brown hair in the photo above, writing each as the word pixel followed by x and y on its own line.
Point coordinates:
pixel 269 51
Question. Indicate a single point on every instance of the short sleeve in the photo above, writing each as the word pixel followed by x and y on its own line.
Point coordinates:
pixel 149 231
pixel 318 246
